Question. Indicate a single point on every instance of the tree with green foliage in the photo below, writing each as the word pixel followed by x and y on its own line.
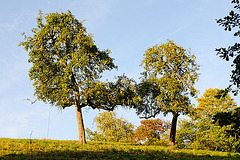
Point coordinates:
pixel 211 136
pixel 186 133
pixel 67 66
pixel 151 131
pixel 232 119
pixel 167 83
pixel 201 132
pixel 232 22
pixel 111 129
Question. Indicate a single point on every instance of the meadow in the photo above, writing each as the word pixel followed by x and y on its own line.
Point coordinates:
pixel 59 149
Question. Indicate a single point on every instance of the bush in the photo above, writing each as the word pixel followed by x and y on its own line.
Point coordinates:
pixel 111 129
pixel 151 132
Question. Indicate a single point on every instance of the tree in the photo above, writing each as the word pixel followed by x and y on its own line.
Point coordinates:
pixel 229 118
pixel 209 135
pixel 150 131
pixel 201 132
pixel 112 129
pixel 230 22
pixel 232 119
pixel 67 66
pixel 186 133
pixel 167 83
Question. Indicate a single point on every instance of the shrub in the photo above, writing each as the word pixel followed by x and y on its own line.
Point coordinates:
pixel 151 132
pixel 111 129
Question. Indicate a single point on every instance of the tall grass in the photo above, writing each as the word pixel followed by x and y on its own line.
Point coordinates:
pixel 56 149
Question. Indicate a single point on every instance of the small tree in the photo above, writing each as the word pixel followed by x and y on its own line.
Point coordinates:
pixel 151 131
pixel 111 129
pixel 67 66
pixel 167 83
pixel 200 132
pixel 186 133
pixel 209 135
pixel 232 119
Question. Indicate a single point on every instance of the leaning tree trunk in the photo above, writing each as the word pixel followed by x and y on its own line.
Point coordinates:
pixel 81 131
pixel 173 129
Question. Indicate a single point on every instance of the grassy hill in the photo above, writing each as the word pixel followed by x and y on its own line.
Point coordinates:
pixel 56 149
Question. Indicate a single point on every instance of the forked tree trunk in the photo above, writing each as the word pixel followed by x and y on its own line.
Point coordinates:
pixel 173 129
pixel 81 131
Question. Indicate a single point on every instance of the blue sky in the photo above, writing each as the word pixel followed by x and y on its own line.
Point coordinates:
pixel 127 28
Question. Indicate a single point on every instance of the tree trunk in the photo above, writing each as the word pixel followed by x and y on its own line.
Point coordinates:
pixel 173 129
pixel 81 131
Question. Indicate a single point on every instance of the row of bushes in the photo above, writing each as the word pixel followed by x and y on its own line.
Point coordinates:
pixel 200 131
pixel 113 129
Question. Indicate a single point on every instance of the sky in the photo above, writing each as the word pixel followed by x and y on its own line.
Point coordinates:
pixel 127 28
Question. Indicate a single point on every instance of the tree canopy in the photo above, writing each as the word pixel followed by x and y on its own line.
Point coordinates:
pixel 230 23
pixel 65 61
pixel 209 105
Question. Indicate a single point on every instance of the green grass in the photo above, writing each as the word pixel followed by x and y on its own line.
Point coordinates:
pixel 56 149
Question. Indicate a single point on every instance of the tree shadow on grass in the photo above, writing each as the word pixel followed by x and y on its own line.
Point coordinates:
pixel 113 154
